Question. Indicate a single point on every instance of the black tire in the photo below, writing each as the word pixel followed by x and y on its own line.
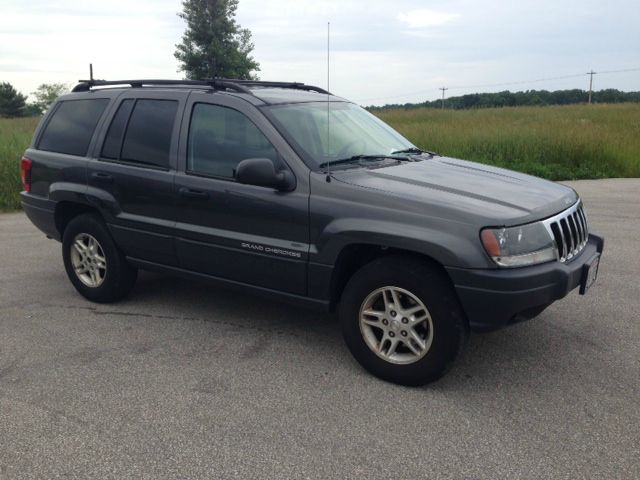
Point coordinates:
pixel 429 284
pixel 119 276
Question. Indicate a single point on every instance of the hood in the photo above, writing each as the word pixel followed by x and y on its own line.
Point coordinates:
pixel 497 195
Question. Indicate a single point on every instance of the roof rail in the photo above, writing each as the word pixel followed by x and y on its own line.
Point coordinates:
pixel 216 83
pixel 293 85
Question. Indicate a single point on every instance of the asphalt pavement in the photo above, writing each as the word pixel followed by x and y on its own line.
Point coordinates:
pixel 184 380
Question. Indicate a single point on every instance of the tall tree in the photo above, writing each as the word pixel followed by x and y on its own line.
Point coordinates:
pixel 46 94
pixel 12 102
pixel 214 45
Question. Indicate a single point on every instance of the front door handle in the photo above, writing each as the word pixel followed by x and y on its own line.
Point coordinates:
pixel 103 177
pixel 189 193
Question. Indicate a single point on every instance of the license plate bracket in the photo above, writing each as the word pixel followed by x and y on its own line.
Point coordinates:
pixel 589 273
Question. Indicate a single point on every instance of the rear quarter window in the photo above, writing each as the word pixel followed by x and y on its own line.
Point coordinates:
pixel 72 125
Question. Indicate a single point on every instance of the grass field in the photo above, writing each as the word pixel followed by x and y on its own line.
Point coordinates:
pixel 15 136
pixel 559 143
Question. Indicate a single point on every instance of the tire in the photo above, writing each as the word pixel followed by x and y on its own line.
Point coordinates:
pixel 440 327
pixel 100 274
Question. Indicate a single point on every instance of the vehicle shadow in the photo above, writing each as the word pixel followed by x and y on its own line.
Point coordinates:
pixel 534 354
pixel 209 302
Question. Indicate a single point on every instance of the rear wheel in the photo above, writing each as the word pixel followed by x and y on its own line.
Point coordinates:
pixel 94 264
pixel 402 321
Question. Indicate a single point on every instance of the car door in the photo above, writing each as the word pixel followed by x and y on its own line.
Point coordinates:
pixel 243 233
pixel 133 172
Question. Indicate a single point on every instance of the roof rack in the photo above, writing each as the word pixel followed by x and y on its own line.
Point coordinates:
pixel 241 86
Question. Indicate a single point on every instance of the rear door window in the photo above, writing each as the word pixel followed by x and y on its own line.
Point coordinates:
pixel 72 125
pixel 140 132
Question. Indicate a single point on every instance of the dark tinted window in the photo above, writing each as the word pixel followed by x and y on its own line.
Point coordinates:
pixel 113 142
pixel 72 125
pixel 148 135
pixel 220 138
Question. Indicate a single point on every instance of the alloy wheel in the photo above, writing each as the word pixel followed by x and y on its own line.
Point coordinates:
pixel 88 260
pixel 396 325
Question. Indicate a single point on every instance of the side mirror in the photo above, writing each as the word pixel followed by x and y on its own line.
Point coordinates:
pixel 262 172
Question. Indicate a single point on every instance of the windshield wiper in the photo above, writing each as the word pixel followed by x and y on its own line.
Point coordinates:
pixel 413 151
pixel 357 158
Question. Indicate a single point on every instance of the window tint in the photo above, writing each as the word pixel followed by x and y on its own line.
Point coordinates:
pixel 220 138
pixel 148 136
pixel 72 125
pixel 113 142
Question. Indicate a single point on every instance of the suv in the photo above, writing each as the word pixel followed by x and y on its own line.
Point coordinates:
pixel 286 190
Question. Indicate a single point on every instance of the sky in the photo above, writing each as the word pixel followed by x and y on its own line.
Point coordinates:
pixel 381 51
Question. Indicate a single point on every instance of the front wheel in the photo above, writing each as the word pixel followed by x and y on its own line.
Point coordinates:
pixel 94 264
pixel 401 320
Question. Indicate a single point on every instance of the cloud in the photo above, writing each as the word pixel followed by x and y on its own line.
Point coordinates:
pixel 376 52
pixel 426 18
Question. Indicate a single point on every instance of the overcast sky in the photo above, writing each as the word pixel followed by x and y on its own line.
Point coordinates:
pixel 382 51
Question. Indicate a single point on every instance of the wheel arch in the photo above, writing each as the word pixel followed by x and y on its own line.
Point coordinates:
pixel 356 255
pixel 66 211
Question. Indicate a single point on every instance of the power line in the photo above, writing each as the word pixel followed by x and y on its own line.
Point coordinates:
pixel 620 71
pixel 519 82
pixel 490 85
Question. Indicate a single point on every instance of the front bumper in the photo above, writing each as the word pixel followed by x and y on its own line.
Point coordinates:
pixel 496 298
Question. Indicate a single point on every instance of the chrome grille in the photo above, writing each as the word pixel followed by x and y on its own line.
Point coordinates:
pixel 570 231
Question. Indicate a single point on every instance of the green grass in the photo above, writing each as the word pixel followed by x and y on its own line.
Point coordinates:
pixel 15 136
pixel 558 142
pixel 555 142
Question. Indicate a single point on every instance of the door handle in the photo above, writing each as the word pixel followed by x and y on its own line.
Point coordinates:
pixel 187 192
pixel 103 177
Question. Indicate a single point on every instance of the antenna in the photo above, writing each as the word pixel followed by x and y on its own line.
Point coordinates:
pixel 328 103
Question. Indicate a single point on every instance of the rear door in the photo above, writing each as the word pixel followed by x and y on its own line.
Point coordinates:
pixel 243 233
pixel 133 172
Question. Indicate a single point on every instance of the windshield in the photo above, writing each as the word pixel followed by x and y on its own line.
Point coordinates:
pixel 352 131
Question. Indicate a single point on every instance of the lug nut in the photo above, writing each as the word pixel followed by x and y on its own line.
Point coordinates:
pixel 385 322
pixel 405 320
pixel 404 333
pixel 393 313
pixel 391 334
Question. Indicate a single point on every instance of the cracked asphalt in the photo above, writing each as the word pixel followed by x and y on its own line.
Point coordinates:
pixel 183 380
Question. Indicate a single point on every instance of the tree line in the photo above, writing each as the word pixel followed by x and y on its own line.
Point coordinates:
pixel 15 104
pixel 517 99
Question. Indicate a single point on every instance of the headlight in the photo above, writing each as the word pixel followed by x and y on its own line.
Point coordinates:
pixel 519 246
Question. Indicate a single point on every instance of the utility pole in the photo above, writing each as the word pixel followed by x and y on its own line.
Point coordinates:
pixel 591 74
pixel 91 71
pixel 443 90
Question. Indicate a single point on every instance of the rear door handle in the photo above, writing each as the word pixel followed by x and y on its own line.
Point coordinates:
pixel 103 177
pixel 187 192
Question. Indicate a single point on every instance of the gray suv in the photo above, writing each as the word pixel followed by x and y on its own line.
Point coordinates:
pixel 285 190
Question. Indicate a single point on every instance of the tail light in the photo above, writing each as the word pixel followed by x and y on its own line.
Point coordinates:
pixel 25 171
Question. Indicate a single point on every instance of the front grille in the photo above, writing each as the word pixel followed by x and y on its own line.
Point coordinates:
pixel 570 231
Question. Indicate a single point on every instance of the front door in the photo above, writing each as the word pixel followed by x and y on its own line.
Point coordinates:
pixel 243 233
